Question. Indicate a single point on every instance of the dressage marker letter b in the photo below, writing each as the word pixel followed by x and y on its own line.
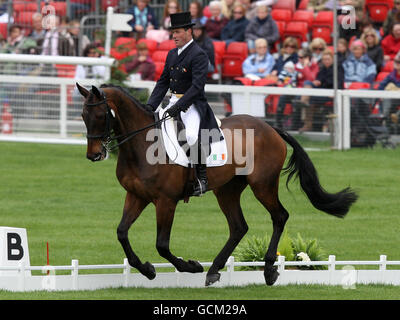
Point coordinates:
pixel 14 249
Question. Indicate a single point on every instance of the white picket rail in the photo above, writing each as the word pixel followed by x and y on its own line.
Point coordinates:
pixel 347 276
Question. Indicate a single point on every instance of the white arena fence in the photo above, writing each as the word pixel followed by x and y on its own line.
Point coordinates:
pixel 338 273
pixel 49 107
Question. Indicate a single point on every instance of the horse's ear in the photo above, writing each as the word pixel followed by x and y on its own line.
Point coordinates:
pixel 84 92
pixel 97 92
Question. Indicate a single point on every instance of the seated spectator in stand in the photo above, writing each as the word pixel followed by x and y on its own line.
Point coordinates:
pixel 227 8
pixel 37 32
pixel 392 17
pixel 141 63
pixel 216 22
pixel 55 44
pixel 72 34
pixel 391 83
pixel 171 7
pixel 286 78
pixel 259 64
pixel 17 43
pixel 317 47
pixel 235 29
pixel 204 41
pixel 342 50
pixel 261 26
pixel 374 50
pixel 196 11
pixel 391 43
pixel 323 80
pixel 288 53
pixel 251 6
pixel 144 18
pixel 90 72
pixel 358 67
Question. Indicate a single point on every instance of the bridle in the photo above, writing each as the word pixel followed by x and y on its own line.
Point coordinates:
pixel 106 137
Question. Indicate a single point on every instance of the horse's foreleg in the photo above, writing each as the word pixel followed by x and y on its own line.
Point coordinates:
pixel 132 209
pixel 229 201
pixel 165 215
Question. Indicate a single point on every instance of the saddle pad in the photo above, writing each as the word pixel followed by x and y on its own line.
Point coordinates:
pixel 177 154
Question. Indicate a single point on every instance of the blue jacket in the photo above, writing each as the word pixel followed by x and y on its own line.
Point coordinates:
pixel 359 70
pixel 280 62
pixel 391 77
pixel 150 17
pixel 251 65
pixel 234 30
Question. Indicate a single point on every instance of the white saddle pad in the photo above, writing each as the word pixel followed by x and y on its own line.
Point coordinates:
pixel 177 154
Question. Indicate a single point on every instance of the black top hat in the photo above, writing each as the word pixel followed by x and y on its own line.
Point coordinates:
pixel 181 20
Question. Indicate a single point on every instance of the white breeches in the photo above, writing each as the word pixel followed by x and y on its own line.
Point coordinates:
pixel 191 120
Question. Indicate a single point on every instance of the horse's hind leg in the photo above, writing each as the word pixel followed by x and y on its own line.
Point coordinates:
pixel 229 201
pixel 165 209
pixel 269 198
pixel 132 209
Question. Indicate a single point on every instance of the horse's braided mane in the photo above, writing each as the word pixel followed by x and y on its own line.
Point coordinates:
pixel 127 93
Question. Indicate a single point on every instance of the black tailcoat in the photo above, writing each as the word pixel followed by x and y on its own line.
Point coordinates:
pixel 186 74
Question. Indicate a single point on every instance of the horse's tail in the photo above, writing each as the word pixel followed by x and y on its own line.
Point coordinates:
pixel 300 165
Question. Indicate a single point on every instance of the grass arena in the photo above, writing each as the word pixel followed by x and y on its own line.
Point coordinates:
pixel 75 206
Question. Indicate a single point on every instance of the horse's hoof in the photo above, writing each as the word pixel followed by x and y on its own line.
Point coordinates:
pixel 148 270
pixel 195 266
pixel 270 275
pixel 211 278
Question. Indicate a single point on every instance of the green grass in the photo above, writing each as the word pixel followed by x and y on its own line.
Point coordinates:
pixel 76 205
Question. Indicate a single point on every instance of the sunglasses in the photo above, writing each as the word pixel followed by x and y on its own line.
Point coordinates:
pixel 318 49
pixel 237 12
pixel 289 46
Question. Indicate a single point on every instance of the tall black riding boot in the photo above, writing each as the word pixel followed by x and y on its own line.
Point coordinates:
pixel 201 171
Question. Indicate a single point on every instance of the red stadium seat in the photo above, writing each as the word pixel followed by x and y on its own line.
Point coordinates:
pixel 125 43
pixel 281 15
pixel 166 45
pixel 159 56
pixel 304 16
pixel 118 54
pixel 219 51
pixel 303 5
pixel 381 75
pixel 151 44
pixel 207 12
pixel 245 81
pixel 108 3
pixel 359 86
pixel 323 25
pixel 377 10
pixel 59 7
pixel 232 61
pixel 388 67
pixel 285 4
pixel 281 27
pixel 3 30
pixel 159 70
pixel 298 30
pixel 24 18
pixel 65 70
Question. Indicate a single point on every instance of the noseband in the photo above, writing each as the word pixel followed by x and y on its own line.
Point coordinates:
pixel 106 137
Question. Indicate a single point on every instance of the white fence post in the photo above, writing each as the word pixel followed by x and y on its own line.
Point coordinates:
pixel 127 272
pixel 74 274
pixel 230 267
pixel 281 261
pixel 331 268
pixel 63 110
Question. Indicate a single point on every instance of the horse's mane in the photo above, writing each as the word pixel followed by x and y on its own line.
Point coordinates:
pixel 127 93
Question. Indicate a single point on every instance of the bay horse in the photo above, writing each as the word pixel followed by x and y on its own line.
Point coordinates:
pixel 112 109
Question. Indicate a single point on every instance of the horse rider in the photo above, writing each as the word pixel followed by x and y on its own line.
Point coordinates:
pixel 185 74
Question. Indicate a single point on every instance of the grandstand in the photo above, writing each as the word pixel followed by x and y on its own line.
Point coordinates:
pixel 295 19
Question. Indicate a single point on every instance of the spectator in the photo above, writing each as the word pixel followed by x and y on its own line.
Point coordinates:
pixel 317 47
pixel 247 8
pixel 391 82
pixel 391 43
pixel 259 64
pixel 55 44
pixel 235 29
pixel 196 11
pixel 37 32
pixel 204 41
pixel 227 8
pixel 342 50
pixel 374 50
pixel 392 17
pixel 286 78
pixel 72 34
pixel 261 26
pixel 216 22
pixel 144 18
pixel 251 6
pixel 141 63
pixel 358 67
pixel 17 43
pixel 171 7
pixel 323 80
pixel 288 53
pixel 90 72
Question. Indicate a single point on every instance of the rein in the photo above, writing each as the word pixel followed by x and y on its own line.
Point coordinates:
pixel 106 136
